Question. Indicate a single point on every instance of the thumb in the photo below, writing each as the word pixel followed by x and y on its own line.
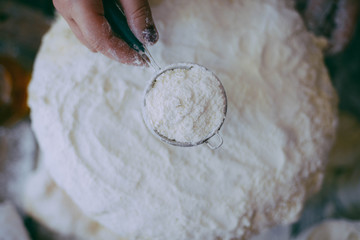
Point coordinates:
pixel 140 20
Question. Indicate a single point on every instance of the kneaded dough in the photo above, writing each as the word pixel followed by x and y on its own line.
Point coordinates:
pixel 51 206
pixel 86 114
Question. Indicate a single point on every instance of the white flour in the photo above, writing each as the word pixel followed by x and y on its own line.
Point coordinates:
pixel 50 205
pixel 280 124
pixel 186 105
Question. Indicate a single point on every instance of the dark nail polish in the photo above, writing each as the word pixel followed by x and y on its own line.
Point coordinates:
pixel 150 35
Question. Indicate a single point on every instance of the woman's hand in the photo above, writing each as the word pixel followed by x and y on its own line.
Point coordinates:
pixel 86 19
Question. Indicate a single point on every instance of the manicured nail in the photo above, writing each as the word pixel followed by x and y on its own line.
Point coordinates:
pixel 150 35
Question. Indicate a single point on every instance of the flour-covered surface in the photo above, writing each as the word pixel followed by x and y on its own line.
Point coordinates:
pixel 86 113
pixel 339 196
pixel 338 200
pixel 336 207
pixel 48 204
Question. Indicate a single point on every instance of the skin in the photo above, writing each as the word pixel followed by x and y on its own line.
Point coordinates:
pixel 86 19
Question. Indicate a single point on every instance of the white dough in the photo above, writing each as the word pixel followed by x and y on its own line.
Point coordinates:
pixel 280 124
pixel 50 205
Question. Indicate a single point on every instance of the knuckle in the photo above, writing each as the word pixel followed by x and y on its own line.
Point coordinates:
pixel 140 13
pixel 100 43
pixel 96 45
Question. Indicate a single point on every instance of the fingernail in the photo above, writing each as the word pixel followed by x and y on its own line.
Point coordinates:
pixel 145 58
pixel 139 61
pixel 150 35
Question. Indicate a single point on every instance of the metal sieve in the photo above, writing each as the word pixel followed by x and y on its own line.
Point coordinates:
pixel 209 140
pixel 117 20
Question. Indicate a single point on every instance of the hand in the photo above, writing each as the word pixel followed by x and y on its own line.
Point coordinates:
pixel 333 19
pixel 86 19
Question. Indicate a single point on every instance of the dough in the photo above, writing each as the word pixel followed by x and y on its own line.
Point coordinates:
pixel 86 114
pixel 50 205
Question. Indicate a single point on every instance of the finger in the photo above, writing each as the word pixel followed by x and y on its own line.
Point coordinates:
pixel 64 8
pixel 140 20
pixel 97 33
pixel 76 30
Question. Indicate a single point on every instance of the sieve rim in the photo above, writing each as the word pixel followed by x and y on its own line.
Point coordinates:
pixel 151 83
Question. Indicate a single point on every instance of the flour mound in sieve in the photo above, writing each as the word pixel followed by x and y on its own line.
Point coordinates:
pixel 186 105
